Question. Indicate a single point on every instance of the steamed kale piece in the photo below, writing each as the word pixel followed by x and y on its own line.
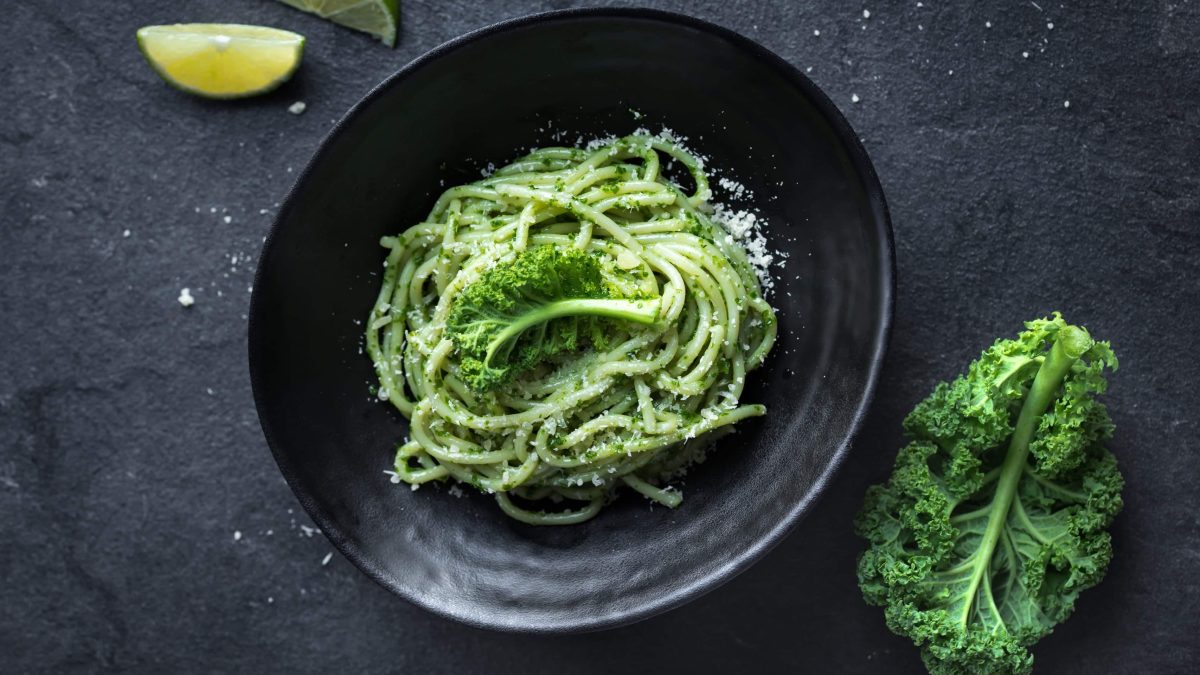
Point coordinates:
pixel 544 303
pixel 995 516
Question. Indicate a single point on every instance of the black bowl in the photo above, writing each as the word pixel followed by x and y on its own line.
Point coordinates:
pixel 486 97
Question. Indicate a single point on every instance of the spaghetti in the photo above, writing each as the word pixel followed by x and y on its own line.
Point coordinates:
pixel 554 443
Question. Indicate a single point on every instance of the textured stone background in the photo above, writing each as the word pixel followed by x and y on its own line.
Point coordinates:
pixel 130 453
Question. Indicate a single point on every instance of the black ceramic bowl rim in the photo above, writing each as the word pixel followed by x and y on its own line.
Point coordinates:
pixel 683 594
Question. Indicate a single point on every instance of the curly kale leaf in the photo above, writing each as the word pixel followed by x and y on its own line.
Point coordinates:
pixel 543 303
pixel 995 517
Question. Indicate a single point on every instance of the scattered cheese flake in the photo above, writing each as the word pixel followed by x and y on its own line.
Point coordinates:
pixel 326 559
pixel 1066 104
pixel 297 107
pixel 597 143
pixel 745 227
pixel 185 298
pixel 308 531
pixel 739 223
pixel 1049 25
pixel 1025 55
pixel 854 98
pixel 817 32
pixel 237 535
pixel 866 13
pixel 126 234
pixel 987 24
pixel 736 189
pixel 227 219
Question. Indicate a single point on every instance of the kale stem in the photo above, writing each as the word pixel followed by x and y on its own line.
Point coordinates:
pixel 639 311
pixel 970 515
pixel 1019 510
pixel 1071 343
pixel 1054 487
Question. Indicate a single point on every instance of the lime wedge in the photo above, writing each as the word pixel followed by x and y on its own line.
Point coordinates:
pixel 221 60
pixel 376 17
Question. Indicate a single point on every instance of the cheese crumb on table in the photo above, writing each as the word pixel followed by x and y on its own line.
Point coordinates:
pixel 736 189
pixel 297 107
pixel 186 299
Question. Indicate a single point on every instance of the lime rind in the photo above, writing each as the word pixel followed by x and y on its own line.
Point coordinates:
pixel 218 36
pixel 374 17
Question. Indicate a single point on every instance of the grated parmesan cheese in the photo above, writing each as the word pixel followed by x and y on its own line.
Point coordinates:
pixel 735 189
pixel 745 227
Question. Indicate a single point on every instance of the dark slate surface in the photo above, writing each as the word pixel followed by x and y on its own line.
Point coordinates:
pixel 130 453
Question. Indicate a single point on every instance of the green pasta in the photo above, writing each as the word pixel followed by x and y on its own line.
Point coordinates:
pixel 634 408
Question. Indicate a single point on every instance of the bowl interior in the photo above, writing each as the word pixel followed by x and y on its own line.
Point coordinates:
pixel 485 99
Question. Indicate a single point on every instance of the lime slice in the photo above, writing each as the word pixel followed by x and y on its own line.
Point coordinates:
pixel 221 60
pixel 376 17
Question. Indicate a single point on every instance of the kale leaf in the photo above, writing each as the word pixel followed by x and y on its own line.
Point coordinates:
pixel 543 303
pixel 996 514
